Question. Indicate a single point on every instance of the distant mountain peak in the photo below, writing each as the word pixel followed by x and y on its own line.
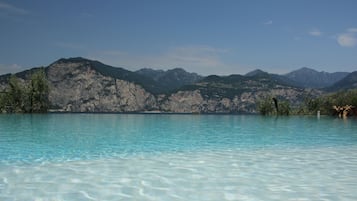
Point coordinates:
pixel 72 60
pixel 348 82
pixel 307 77
pixel 306 69
pixel 177 69
pixel 172 78
pixel 256 72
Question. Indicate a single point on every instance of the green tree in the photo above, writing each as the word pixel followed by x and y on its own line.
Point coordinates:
pixel 38 92
pixel 26 96
pixel 324 103
pixel 2 101
pixel 265 106
pixel 15 96
pixel 313 105
pixel 284 108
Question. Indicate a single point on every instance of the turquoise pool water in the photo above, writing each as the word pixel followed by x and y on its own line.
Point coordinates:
pixel 176 157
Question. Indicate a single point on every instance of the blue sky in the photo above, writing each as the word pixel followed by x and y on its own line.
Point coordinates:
pixel 208 37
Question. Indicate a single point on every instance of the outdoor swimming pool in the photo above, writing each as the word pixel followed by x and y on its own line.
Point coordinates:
pixel 176 157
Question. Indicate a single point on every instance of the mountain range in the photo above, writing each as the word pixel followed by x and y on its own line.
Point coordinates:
pixel 306 77
pixel 82 85
pixel 171 79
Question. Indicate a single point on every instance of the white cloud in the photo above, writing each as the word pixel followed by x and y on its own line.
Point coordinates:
pixel 195 56
pixel 8 8
pixel 348 39
pixel 204 60
pixel 352 30
pixel 269 22
pixel 296 38
pixel 11 68
pixel 315 32
pixel 86 14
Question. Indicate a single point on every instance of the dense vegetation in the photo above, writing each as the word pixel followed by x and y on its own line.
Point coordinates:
pixel 325 103
pixel 170 80
pixel 233 85
pixel 310 106
pixel 271 106
pixel 26 96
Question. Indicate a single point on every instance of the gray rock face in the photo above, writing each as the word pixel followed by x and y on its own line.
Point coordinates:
pixel 183 102
pixel 194 102
pixel 76 87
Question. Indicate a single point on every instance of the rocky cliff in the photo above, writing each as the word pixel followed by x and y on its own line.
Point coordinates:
pixel 81 85
pixel 77 87
pixel 246 102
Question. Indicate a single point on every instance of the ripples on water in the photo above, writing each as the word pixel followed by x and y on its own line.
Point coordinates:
pixel 176 157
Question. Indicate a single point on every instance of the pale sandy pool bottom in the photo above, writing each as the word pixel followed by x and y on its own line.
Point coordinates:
pixel 231 174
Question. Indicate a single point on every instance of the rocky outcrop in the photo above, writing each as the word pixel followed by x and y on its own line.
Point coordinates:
pixel 81 85
pixel 76 87
pixel 183 101
pixel 195 102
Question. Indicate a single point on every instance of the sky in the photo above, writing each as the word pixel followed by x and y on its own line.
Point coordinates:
pixel 219 37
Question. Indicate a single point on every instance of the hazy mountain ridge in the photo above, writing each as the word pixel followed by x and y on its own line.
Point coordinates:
pixel 348 82
pixel 256 72
pixel 171 79
pixel 310 78
pixel 281 78
pixel 82 85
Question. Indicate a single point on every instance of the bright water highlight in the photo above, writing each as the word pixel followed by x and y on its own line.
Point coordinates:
pixel 176 157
